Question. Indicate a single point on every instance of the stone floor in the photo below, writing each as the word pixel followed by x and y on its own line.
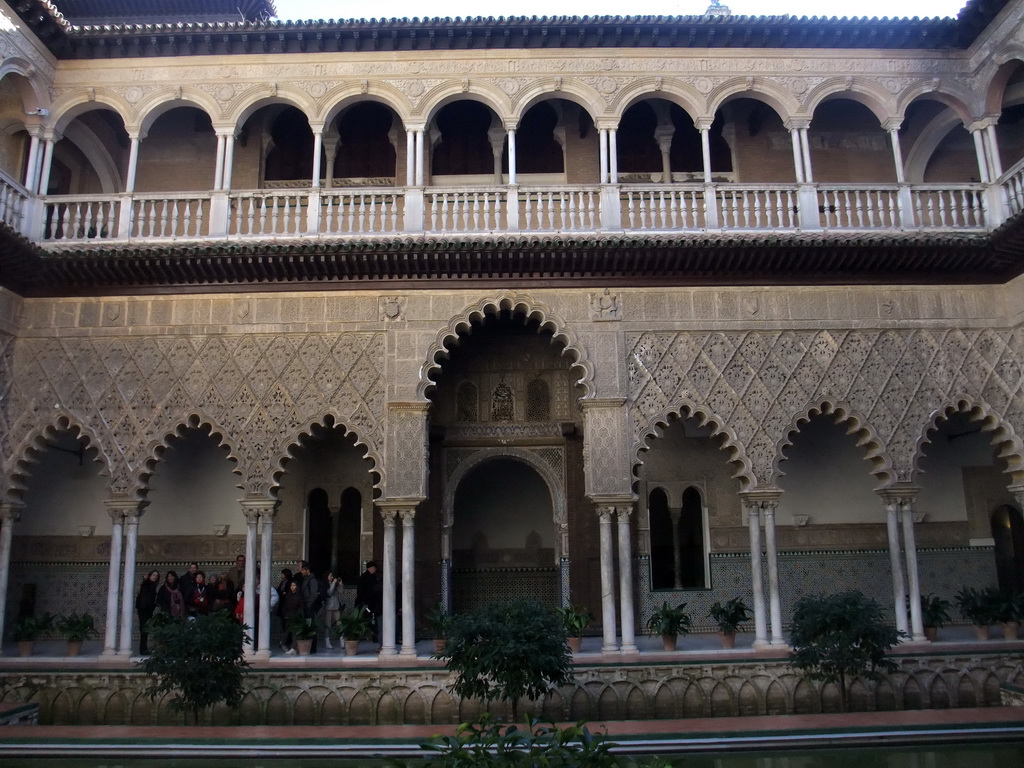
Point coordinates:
pixel 695 645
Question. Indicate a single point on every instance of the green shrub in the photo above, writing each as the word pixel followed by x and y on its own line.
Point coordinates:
pixel 836 638
pixel 508 651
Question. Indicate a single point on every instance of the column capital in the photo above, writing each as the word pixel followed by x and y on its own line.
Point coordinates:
pixel 761 497
pixel 261 509
pixel 605 513
pixel 703 123
pixel 389 516
pixel 899 493
pixel 623 512
pixel 52 136
pixel 119 509
pixel 797 124
pixel 606 123
pixel 135 133
pixel 10 511
pixel 1016 490
pixel 982 123
pixel 408 516
pixel 415 127
pixel 892 124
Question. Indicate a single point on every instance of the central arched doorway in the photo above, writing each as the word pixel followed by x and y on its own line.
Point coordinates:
pixel 503 534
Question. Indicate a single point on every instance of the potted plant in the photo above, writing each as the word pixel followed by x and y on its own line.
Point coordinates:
pixel 669 622
pixel 438 621
pixel 576 619
pixel 354 625
pixel 27 628
pixel 1007 610
pixel 76 628
pixel 729 616
pixel 303 631
pixel 977 607
pixel 934 614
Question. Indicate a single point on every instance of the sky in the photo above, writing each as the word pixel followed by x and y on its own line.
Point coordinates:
pixel 333 9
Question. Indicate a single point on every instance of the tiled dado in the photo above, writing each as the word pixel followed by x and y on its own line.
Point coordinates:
pixel 736 539
pixel 165 551
pixel 942 572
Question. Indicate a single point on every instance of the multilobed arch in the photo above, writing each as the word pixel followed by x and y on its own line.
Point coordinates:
pixel 36 440
pixel 194 421
pixel 705 417
pixel 518 306
pixel 842 413
pixel 1004 436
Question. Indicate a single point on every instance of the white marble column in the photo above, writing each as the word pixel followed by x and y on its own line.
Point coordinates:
pixel 511 155
pixel 266 579
pixel 408 582
pixel 420 159
pixel 805 147
pixel 899 588
pixel 756 581
pixel 117 515
pixel 251 510
pixel 32 162
pixel 229 160
pixel 897 153
pixel 603 154
pixel 798 155
pixel 913 582
pixel 387 624
pixel 705 151
pixel 218 170
pixel 131 546
pixel 44 174
pixel 768 508
pixel 613 156
pixel 9 515
pixel 628 623
pixel 133 163
pixel 609 642
pixel 979 150
pixel 995 162
pixel 674 515
pixel 318 144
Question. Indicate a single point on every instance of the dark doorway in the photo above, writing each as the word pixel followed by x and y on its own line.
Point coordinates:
pixel 347 538
pixel 1008 534
pixel 318 532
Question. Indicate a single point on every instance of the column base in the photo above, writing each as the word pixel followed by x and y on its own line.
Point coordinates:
pixel 124 654
pixel 610 648
pixel 264 654
pixel 409 654
pixel 779 645
pixel 390 650
pixel 629 648
pixel 762 645
pixel 108 652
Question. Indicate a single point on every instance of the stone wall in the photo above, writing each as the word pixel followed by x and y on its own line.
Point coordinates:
pixel 683 687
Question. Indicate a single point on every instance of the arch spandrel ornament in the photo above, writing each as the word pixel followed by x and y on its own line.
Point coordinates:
pixel 758 382
pixel 260 390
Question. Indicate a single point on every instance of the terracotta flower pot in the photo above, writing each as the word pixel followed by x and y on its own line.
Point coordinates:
pixel 1010 630
pixel 668 642
pixel 574 643
pixel 439 644
pixel 728 639
pixel 931 633
pixel 25 647
pixel 74 647
pixel 351 647
pixel 981 631
pixel 304 647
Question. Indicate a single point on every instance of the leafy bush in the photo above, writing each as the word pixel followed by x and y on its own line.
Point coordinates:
pixel 836 638
pixel 508 651
pixel 199 660
pixel 27 628
pixel 493 744
pixel 576 619
pixel 730 615
pixel 669 621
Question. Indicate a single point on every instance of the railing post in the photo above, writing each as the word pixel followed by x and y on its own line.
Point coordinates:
pixel 996 208
pixel 905 206
pixel 33 218
pixel 413 214
pixel 220 211
pixel 313 212
pixel 711 218
pixel 124 216
pixel 611 207
pixel 512 208
pixel 809 218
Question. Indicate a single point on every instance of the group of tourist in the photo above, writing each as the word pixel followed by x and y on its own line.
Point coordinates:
pixel 192 594
pixel 300 593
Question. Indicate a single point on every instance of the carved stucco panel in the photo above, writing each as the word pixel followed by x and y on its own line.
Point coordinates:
pixel 605 454
pixel 259 391
pixel 755 383
pixel 405 455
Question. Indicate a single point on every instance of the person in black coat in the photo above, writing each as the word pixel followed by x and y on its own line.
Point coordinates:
pixel 145 604
pixel 370 593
